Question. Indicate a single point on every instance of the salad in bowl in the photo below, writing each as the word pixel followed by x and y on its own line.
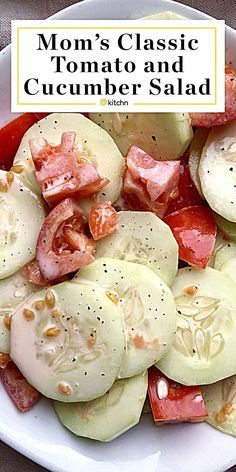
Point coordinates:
pixel 118 266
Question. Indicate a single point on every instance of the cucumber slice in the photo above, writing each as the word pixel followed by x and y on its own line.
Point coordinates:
pixel 224 254
pixel 229 268
pixel 225 259
pixel 145 239
pixel 195 152
pixel 147 305
pixel 95 144
pixel 217 170
pixel 13 291
pixel 164 136
pixel 21 217
pixel 68 341
pixel 227 227
pixel 203 351
pixel 219 244
pixel 220 401
pixel 165 15
pixel 109 416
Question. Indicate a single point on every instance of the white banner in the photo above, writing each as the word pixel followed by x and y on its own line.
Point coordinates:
pixel 118 65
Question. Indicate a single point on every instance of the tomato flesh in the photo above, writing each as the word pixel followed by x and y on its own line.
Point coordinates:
pixel 62 172
pixel 216 119
pixel 103 220
pixel 149 185
pixel 187 192
pixel 23 395
pixel 172 402
pixel 194 229
pixel 55 254
pixel 32 273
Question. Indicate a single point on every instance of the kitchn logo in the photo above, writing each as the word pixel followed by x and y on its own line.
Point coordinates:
pixel 115 103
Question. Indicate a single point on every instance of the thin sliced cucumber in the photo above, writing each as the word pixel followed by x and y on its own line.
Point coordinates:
pixel 165 15
pixel 21 217
pixel 224 254
pixel 195 152
pixel 220 401
pixel 145 239
pixel 204 350
pixel 92 142
pixel 217 170
pixel 220 243
pixel 227 227
pixel 13 291
pixel 225 259
pixel 69 342
pixel 147 305
pixel 109 416
pixel 164 136
pixel 229 268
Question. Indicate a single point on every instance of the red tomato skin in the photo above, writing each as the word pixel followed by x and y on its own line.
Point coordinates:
pixel 11 135
pixel 209 120
pixel 103 220
pixel 23 395
pixel 194 229
pixel 180 404
pixel 52 264
pixel 188 194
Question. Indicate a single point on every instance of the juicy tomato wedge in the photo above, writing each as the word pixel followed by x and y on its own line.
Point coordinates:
pixel 216 119
pixel 62 172
pixel 23 395
pixel 4 359
pixel 187 192
pixel 11 135
pixel 172 402
pixel 149 184
pixel 194 229
pixel 32 273
pixel 62 245
pixel 103 220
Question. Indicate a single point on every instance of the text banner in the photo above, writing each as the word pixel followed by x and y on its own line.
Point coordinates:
pixel 119 65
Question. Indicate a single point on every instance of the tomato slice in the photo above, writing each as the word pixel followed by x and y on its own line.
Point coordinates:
pixel 103 220
pixel 194 229
pixel 149 183
pixel 216 119
pixel 32 273
pixel 4 359
pixel 23 395
pixel 62 245
pixel 187 192
pixel 11 135
pixel 172 402
pixel 62 172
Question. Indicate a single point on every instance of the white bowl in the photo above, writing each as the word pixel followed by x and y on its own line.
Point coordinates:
pixel 38 434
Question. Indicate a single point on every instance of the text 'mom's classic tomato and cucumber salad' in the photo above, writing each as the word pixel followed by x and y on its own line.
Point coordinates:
pixel 118 266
